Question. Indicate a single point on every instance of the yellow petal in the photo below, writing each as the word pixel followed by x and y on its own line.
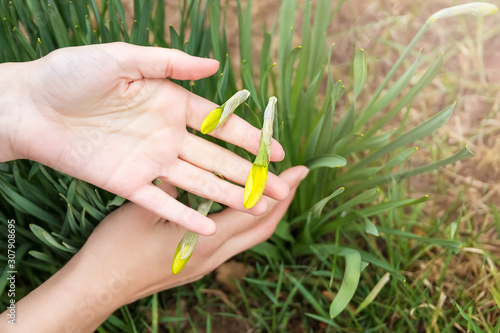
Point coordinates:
pixel 211 121
pixel 254 187
pixel 178 263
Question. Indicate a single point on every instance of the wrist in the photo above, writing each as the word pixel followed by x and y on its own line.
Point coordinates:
pixel 95 291
pixel 78 298
pixel 15 102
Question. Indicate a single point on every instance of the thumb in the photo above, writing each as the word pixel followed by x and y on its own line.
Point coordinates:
pixel 159 63
pixel 258 229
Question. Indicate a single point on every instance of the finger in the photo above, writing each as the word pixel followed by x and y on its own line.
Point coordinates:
pixel 207 185
pixel 247 231
pixel 170 189
pixel 214 158
pixel 157 201
pixel 236 130
pixel 158 63
pixel 262 229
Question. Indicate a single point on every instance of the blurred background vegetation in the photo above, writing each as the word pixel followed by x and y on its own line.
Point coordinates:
pixel 357 135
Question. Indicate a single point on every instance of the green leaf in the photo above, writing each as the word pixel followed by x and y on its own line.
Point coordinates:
pixel 307 295
pixel 70 218
pixel 377 181
pixel 421 131
pixel 362 198
pixel 469 320
pixel 326 135
pixel 117 201
pixel 359 72
pixel 370 228
pixel 44 257
pixel 283 231
pixel 365 213
pixel 388 97
pixel 25 205
pixel 365 197
pixel 374 292
pixel 318 207
pixel 343 128
pixel 326 161
pixel 423 82
pixel 446 243
pixel 401 157
pixel 47 238
pixel 366 143
pixel 349 283
pixel 267 249
pixel 323 250
pixel 398 63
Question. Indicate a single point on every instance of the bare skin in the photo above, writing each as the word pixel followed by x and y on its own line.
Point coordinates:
pixel 106 114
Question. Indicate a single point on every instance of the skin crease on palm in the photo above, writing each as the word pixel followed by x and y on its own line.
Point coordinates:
pixel 99 114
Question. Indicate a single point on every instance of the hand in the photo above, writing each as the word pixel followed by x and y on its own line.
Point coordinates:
pixel 106 114
pixel 129 256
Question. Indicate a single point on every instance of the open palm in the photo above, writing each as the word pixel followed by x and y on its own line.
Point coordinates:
pixel 107 114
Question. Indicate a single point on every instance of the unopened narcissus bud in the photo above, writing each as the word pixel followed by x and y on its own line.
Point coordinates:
pixel 257 178
pixel 188 242
pixel 219 116
pixel 474 8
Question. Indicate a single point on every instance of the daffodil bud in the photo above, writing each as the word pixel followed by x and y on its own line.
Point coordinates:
pixel 188 242
pixel 221 114
pixel 474 8
pixel 257 178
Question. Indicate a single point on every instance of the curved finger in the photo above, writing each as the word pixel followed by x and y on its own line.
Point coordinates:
pixel 214 158
pixel 157 201
pixel 237 232
pixel 261 228
pixel 159 63
pixel 236 130
pixel 208 185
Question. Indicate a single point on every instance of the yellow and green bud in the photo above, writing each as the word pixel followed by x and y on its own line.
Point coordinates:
pixel 188 242
pixel 220 115
pixel 257 178
pixel 474 8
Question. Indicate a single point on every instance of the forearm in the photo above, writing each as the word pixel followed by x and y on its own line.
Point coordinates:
pixel 14 102
pixel 77 298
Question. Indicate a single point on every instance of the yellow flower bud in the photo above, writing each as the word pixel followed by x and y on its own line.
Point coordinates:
pixel 221 114
pixel 178 263
pixel 257 178
pixel 474 8
pixel 186 246
pixel 211 121
pixel 254 187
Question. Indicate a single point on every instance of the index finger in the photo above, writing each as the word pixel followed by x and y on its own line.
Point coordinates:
pixel 236 130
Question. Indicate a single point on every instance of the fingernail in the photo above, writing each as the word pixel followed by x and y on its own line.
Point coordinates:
pixel 304 174
pixel 284 153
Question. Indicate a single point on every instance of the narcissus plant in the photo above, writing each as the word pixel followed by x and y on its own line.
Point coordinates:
pixel 257 178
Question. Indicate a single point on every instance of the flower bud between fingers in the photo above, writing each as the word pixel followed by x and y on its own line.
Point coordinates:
pixel 257 177
pixel 474 8
pixel 220 115
pixel 187 244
